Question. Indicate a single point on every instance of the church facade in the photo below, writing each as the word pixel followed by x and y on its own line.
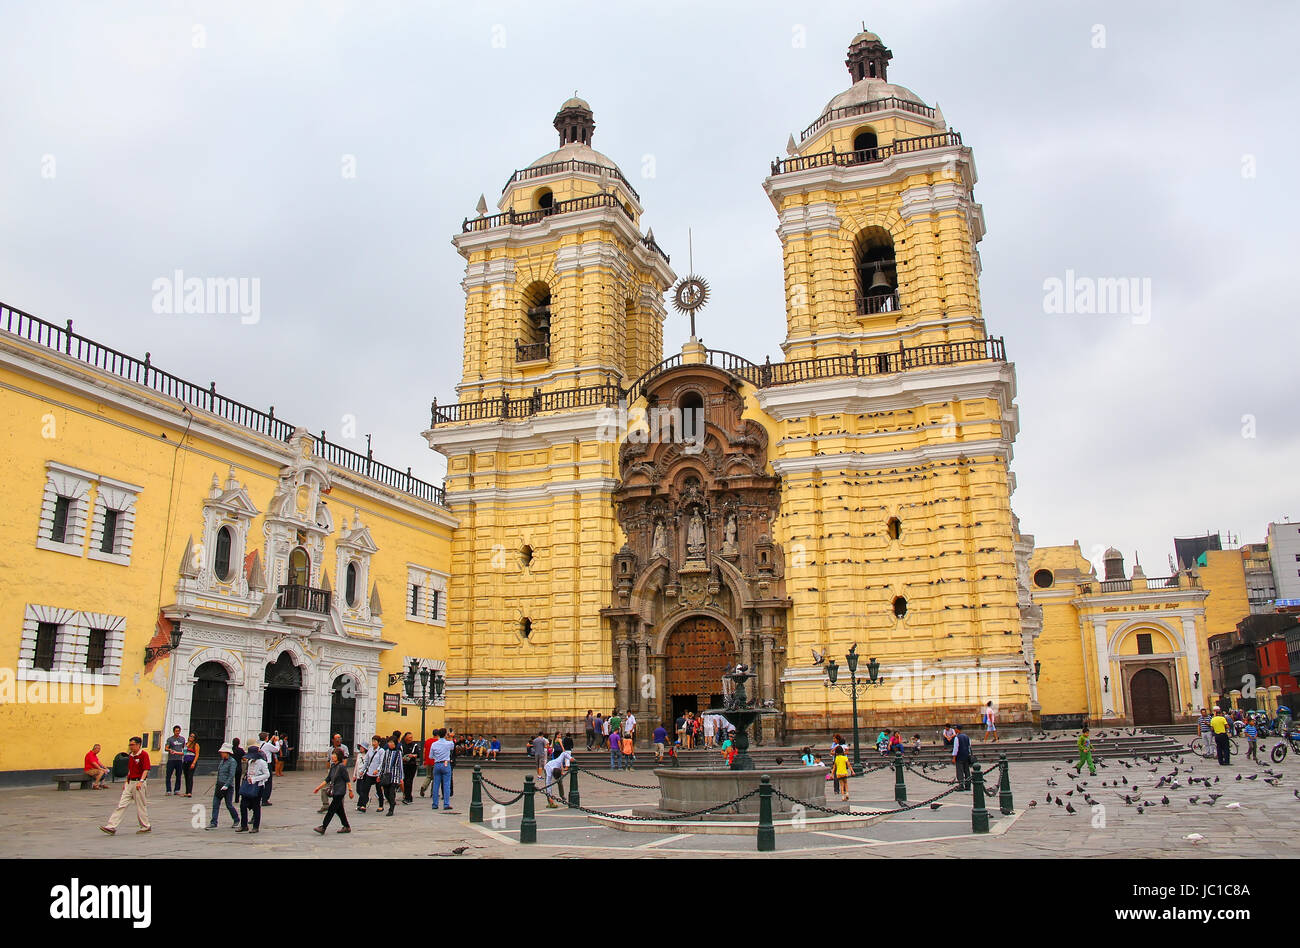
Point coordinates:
pixel 630 525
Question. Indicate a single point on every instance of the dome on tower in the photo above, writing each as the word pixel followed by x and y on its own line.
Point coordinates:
pixel 872 90
pixel 575 103
pixel 576 124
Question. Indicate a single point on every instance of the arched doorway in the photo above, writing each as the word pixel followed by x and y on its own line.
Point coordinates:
pixel 282 703
pixel 343 710
pixel 208 712
pixel 698 651
pixel 299 567
pixel 1149 698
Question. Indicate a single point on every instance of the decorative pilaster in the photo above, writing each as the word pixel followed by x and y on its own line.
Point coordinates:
pixel 768 692
pixel 643 704
pixel 624 674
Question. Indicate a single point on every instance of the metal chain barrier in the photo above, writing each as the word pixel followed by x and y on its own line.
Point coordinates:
pixel 924 776
pixel 900 809
pixel 655 819
pixel 485 782
pixel 620 783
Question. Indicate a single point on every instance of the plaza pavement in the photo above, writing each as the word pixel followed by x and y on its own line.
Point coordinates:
pixel 42 822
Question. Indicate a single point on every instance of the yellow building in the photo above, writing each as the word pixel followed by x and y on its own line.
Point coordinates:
pixel 176 557
pixel 721 509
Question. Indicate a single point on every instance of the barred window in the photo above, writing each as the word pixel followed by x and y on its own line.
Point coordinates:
pixel 95 650
pixel 47 635
pixel 108 543
pixel 59 532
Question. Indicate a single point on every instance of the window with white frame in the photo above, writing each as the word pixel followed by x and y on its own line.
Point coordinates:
pixel 64 509
pixel 113 525
pixel 426 595
pixel 60 644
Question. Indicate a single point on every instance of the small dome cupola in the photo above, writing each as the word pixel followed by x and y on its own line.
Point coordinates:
pixel 1113 561
pixel 575 123
pixel 868 57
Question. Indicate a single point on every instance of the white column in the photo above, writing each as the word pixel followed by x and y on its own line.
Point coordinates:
pixel 1103 664
pixel 1191 648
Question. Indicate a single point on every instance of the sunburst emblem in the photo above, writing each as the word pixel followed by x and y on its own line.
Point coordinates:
pixel 690 294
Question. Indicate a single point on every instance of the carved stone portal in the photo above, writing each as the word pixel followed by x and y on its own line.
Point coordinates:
pixel 698 516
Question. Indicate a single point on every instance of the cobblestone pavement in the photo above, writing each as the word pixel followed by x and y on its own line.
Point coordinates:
pixel 42 822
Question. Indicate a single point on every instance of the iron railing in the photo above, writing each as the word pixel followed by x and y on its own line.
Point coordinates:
pixel 532 351
pixel 761 376
pixel 872 304
pixel 505 407
pixel 532 217
pixel 864 156
pixel 572 165
pixel 304 599
pixel 651 243
pixel 879 105
pixel 144 372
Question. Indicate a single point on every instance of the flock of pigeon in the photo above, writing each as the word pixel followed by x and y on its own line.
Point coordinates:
pixel 1181 776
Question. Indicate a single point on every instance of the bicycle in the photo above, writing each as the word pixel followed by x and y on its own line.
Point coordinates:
pixel 1203 748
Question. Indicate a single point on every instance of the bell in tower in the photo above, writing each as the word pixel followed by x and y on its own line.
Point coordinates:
pixel 868 57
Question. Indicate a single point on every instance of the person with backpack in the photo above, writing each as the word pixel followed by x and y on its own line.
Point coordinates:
pixel 961 756
pixel 250 791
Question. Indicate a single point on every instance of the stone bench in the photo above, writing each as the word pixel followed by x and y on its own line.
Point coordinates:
pixel 64 781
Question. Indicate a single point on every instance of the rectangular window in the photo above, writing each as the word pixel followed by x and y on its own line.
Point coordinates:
pixel 59 531
pixel 109 543
pixel 415 601
pixel 1144 643
pixel 95 652
pixel 47 634
pixel 433 605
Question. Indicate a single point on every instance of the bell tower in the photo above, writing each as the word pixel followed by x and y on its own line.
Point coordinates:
pixel 563 309
pixel 878 222
pixel 895 417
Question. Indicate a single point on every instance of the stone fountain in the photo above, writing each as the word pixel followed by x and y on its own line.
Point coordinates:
pixel 682 790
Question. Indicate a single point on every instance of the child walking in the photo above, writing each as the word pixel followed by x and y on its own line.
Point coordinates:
pixel 1085 754
pixel 843 769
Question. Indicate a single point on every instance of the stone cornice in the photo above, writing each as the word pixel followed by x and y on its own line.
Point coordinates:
pixel 532 433
pixel 892 170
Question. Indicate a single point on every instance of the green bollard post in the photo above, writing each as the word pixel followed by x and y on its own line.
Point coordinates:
pixel 979 816
pixel 766 831
pixel 528 825
pixel 1005 803
pixel 574 799
pixel 900 788
pixel 476 797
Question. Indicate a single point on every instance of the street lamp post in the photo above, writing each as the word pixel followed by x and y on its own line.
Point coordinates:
pixel 851 689
pixel 429 681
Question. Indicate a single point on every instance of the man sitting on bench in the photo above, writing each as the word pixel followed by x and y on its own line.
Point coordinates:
pixel 95 769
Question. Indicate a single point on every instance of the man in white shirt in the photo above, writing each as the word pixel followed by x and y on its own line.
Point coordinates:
pixel 629 725
pixel 440 752
pixel 556 768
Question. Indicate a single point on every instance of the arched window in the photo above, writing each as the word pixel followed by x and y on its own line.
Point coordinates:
pixel 350 586
pixel 544 199
pixel 876 272
pixel 221 558
pixel 692 407
pixel 864 145
pixel 299 567
pixel 534 340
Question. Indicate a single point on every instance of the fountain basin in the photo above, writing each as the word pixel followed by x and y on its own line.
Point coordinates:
pixel 684 791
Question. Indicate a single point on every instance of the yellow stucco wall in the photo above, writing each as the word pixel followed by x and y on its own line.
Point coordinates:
pixel 117 430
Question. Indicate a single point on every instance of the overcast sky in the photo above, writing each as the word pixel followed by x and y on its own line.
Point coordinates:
pixel 1152 141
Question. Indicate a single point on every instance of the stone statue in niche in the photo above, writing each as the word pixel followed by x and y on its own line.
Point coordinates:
pixel 729 547
pixel 660 545
pixel 695 542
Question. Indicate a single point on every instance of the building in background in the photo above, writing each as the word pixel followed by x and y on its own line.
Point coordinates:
pixel 177 557
pixel 1260 584
pixel 1284 556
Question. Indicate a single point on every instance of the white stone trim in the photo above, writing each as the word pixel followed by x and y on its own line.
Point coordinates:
pixel 593 253
pixel 72 644
pixel 862 461
pixel 892 170
pixel 804 219
pixel 74 484
pixel 114 495
pixel 433 608
pixel 897 391
pixel 537 432
pixel 590 485
pixel 500 270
